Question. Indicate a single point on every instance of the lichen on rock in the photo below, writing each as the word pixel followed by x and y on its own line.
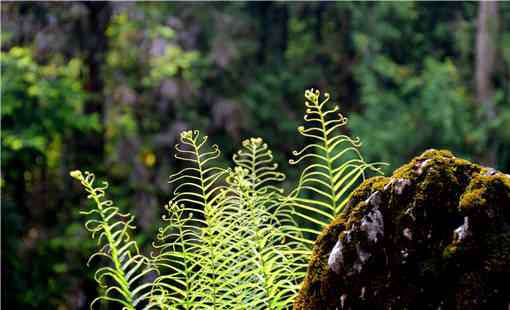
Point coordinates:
pixel 434 235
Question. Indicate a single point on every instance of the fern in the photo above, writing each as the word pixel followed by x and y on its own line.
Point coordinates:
pixel 274 268
pixel 203 240
pixel 257 159
pixel 112 231
pixel 236 256
pixel 231 238
pixel 334 165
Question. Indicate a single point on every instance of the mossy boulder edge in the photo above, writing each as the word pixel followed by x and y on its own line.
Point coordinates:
pixel 434 235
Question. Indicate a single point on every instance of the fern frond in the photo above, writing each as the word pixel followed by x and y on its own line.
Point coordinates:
pixel 197 183
pixel 334 165
pixel 275 268
pixel 178 242
pixel 257 159
pixel 123 279
pixel 197 241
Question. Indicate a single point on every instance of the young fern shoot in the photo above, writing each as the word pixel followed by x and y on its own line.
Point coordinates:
pixel 195 255
pixel 335 164
pixel 123 280
pixel 273 269
pixel 257 159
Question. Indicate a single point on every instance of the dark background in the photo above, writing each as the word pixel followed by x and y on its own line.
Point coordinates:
pixel 107 87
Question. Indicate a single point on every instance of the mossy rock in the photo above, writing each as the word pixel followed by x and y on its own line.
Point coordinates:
pixel 435 235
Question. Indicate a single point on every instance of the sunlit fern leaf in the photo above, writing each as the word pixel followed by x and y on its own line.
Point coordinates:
pixel 197 244
pixel 196 183
pixel 123 279
pixel 235 255
pixel 257 159
pixel 178 243
pixel 334 165
pixel 199 259
pixel 274 270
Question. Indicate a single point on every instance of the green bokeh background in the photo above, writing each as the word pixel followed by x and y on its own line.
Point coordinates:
pixel 107 87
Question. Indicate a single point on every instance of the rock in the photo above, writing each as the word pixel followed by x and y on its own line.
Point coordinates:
pixel 336 259
pixel 436 235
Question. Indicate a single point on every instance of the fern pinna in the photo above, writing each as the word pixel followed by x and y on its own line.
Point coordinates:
pixel 230 237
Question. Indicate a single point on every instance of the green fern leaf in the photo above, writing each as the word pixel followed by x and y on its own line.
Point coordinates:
pixel 123 279
pixel 197 244
pixel 335 164
pixel 275 268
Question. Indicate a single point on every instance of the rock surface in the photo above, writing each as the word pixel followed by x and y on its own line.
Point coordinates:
pixel 435 235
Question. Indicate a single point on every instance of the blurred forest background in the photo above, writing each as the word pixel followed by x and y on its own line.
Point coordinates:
pixel 107 87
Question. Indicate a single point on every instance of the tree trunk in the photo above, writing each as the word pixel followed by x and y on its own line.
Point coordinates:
pixel 487 30
pixel 95 44
pixel 283 18
pixel 319 20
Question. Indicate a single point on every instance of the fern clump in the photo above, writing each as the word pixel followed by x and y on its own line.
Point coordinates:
pixel 230 237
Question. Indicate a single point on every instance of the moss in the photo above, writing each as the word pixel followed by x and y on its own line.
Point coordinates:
pixel 319 275
pixel 446 241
